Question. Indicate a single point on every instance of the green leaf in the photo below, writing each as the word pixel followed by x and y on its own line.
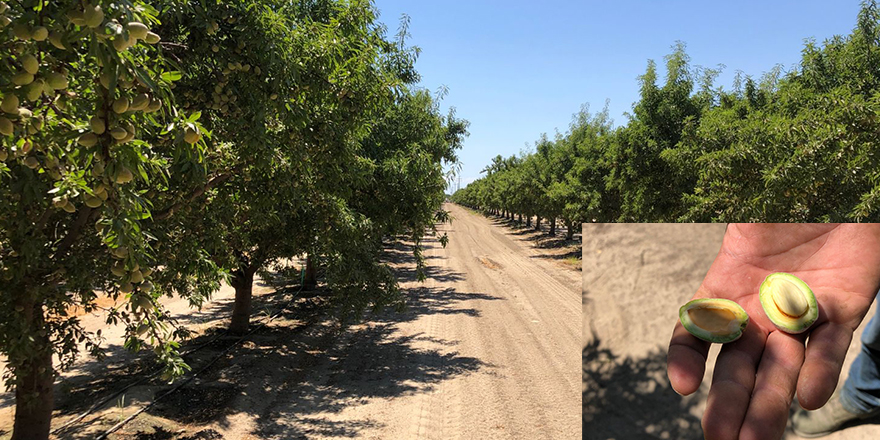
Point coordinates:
pixel 172 76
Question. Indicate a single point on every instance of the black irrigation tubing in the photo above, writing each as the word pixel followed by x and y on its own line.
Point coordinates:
pixel 153 374
pixel 188 380
pixel 109 398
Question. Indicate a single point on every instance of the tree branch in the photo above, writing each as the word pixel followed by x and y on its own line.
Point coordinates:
pixel 41 222
pixel 75 230
pixel 169 211
pixel 169 44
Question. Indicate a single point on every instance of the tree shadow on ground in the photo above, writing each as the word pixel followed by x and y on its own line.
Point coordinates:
pixel 294 375
pixel 422 300
pixel 517 227
pixel 573 253
pixel 163 434
pixel 400 256
pixel 292 381
pixel 94 380
pixel 263 303
pixel 429 301
pixel 542 239
pixel 371 363
pixel 410 274
pixel 631 398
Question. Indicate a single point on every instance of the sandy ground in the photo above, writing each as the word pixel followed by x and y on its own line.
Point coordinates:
pixel 485 349
pixel 635 278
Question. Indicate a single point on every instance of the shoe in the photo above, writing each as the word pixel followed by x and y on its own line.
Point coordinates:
pixel 825 420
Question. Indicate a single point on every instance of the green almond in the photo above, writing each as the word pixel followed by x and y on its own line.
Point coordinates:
pixel 714 319
pixel 789 302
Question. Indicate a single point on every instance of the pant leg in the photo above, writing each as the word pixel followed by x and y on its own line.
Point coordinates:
pixel 861 391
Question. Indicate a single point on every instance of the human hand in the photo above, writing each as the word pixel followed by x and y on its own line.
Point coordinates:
pixel 755 377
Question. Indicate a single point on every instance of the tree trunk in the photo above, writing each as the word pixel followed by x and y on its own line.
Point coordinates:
pixel 311 277
pixel 538 223
pixel 569 232
pixel 33 400
pixel 243 282
pixel 528 221
pixel 33 391
pixel 520 219
pixel 553 225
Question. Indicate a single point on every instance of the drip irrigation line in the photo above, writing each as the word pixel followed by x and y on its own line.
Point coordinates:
pixel 178 386
pixel 122 390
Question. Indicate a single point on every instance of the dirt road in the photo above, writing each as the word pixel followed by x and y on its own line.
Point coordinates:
pixel 487 348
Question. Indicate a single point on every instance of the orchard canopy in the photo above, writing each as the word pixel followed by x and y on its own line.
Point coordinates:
pixel 797 146
pixel 152 148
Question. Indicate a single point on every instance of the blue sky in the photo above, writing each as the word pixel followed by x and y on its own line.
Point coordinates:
pixel 516 69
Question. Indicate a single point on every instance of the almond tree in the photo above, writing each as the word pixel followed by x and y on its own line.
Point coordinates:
pixel 295 90
pixel 583 187
pixel 407 148
pixel 83 86
pixel 649 187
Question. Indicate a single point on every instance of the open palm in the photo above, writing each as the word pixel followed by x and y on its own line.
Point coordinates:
pixel 756 377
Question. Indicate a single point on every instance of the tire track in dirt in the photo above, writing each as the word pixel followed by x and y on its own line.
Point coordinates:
pixel 436 413
pixel 536 319
pixel 528 385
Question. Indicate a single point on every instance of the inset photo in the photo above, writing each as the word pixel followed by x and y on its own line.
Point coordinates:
pixel 707 330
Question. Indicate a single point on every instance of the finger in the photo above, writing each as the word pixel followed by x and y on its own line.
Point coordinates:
pixel 686 361
pixel 774 387
pixel 826 351
pixel 732 385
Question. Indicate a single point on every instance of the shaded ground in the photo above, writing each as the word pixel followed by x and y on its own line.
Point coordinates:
pixel 635 278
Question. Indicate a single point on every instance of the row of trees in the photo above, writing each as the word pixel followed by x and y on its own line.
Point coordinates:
pixel 151 148
pixel 550 183
pixel 789 147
